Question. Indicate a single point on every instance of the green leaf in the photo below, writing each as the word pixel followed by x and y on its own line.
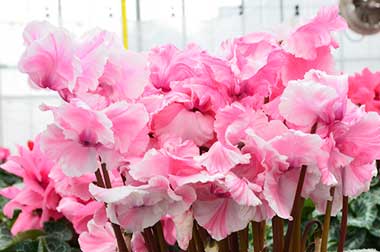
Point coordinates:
pixel 26 246
pixel 355 238
pixel 5 237
pixel 53 244
pixel 363 211
pixel 8 179
pixel 60 229
pixel 375 230
pixel 30 234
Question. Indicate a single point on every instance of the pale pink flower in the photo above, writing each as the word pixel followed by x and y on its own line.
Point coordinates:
pixel 280 184
pixel 174 161
pixel 138 207
pixel 168 63
pixel 98 238
pixel 221 216
pixel 319 98
pixel 78 212
pixel 36 30
pixel 304 41
pixel 294 68
pixel 71 186
pixel 221 159
pixel 93 52
pixel 77 138
pixel 173 121
pixel 125 76
pixel 49 58
pixel 256 60
pixel 130 127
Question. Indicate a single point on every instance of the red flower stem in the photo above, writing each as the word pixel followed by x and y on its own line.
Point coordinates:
pixel 258 231
pixel 262 232
pixel 233 242
pixel 223 245
pixel 278 233
pixel 99 178
pixel 296 239
pixel 197 238
pixel 243 240
pixel 203 234
pixel 149 237
pixel 106 183
pixel 343 225
pixel 326 221
pixel 192 247
pixel 160 236
pixel 293 234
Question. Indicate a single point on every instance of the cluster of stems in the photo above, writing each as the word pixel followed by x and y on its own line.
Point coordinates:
pixel 293 241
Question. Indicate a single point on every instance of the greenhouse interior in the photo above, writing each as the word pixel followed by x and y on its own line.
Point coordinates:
pixel 189 125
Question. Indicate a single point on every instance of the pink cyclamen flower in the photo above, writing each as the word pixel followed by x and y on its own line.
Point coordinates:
pixel 220 215
pixel 79 213
pixel 98 238
pixel 281 183
pixel 305 40
pixel 256 60
pixel 71 186
pixel 49 59
pixel 364 89
pixel 309 46
pixel 173 121
pixel 37 198
pixel 125 75
pixel 168 63
pixel 318 98
pixel 77 138
pixel 138 207
pixel 130 127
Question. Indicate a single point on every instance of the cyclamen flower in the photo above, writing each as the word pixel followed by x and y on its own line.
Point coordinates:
pixel 37 198
pixel 77 138
pixel 309 45
pixel 138 207
pixel 364 89
pixel 256 60
pixel 168 63
pixel 317 99
pixel 79 213
pixel 305 40
pixel 49 59
pixel 98 238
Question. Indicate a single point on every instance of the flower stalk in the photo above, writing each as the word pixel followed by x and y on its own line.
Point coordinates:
pixel 258 230
pixel 326 221
pixel 343 225
pixel 243 240
pixel 293 235
pixel 105 182
pixel 278 233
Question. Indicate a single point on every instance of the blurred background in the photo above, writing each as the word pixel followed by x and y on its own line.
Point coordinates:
pixel 150 23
